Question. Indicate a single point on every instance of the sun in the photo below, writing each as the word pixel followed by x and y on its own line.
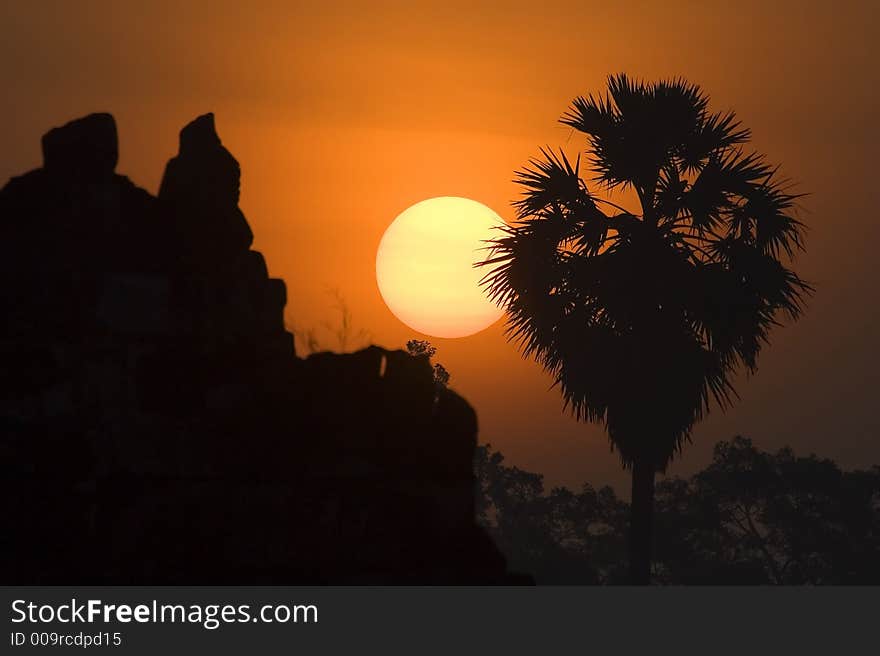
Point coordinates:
pixel 425 266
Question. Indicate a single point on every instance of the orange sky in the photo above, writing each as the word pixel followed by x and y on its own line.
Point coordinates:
pixel 342 115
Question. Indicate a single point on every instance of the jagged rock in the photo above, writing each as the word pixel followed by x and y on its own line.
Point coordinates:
pixel 66 226
pixel 200 188
pixel 154 412
pixel 86 148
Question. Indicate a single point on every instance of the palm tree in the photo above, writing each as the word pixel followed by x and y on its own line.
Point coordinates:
pixel 644 317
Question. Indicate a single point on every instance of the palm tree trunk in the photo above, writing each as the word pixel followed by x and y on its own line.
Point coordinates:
pixel 641 523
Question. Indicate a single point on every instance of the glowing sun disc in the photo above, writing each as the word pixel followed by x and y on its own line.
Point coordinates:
pixel 425 266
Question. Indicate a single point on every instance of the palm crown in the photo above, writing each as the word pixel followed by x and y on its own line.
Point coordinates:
pixel 643 318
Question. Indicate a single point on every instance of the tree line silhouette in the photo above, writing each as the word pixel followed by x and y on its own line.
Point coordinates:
pixel 750 517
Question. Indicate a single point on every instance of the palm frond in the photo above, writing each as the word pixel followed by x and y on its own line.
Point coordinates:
pixel 592 115
pixel 551 181
pixel 713 134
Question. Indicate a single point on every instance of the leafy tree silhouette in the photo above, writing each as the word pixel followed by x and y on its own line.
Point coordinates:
pixel 644 317
pixel 753 516
pixel 561 537
pixel 419 347
pixel 750 517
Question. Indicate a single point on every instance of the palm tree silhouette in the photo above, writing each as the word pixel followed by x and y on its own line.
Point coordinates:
pixel 643 318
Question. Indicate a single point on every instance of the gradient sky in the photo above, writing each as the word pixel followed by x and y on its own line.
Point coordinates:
pixel 343 115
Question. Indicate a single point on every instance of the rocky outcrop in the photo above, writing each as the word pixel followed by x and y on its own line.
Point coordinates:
pixel 155 423
pixel 84 149
pixel 200 190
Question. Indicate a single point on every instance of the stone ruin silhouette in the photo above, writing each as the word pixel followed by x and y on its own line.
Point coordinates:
pixel 156 425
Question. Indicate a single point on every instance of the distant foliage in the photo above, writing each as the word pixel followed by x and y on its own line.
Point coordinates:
pixel 750 517
pixel 560 537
